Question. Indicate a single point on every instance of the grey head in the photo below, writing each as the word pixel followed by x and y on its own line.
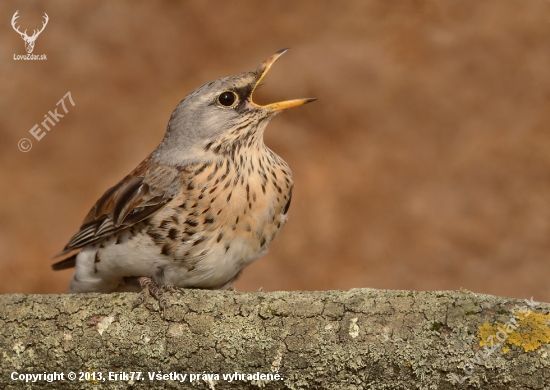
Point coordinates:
pixel 215 110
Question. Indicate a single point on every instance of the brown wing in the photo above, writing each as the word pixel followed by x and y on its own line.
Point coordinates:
pixel 136 197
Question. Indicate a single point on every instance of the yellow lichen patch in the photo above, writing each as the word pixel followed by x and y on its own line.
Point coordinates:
pixel 92 377
pixel 527 329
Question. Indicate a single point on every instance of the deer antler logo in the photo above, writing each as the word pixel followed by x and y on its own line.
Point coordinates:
pixel 29 41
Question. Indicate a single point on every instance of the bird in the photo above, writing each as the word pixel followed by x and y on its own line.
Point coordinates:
pixel 206 203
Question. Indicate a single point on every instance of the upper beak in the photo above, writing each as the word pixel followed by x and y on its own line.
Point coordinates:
pixel 264 68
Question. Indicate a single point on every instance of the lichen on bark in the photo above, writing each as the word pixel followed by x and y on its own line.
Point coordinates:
pixel 357 339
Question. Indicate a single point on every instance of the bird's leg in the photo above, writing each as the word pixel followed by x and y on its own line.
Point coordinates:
pixel 150 288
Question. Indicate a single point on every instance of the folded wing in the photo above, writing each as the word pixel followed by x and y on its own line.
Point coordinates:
pixel 135 198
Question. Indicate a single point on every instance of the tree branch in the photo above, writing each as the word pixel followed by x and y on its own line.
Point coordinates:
pixel 353 339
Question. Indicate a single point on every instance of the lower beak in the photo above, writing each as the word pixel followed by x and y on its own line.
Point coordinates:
pixel 264 68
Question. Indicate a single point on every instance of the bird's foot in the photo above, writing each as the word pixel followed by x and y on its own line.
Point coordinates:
pixel 171 288
pixel 150 288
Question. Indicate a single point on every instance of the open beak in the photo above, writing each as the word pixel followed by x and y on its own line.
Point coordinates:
pixel 264 68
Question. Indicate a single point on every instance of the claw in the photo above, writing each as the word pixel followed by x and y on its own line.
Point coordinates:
pixel 150 288
pixel 138 301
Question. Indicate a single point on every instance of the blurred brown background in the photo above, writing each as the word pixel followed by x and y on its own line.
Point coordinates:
pixel 425 163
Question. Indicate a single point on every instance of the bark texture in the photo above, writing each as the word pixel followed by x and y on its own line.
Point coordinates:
pixel 357 339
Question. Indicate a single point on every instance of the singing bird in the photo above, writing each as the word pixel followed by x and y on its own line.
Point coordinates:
pixel 202 206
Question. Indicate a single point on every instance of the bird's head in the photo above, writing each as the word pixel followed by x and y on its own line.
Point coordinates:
pixel 219 111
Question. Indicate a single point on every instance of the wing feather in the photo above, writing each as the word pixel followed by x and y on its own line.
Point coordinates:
pixel 136 197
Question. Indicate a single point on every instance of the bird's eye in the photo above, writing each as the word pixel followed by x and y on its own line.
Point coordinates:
pixel 227 99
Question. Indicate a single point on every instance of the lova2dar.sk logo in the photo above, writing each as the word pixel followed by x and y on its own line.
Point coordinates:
pixel 29 41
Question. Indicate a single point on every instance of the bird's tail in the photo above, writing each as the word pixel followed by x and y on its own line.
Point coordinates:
pixel 69 262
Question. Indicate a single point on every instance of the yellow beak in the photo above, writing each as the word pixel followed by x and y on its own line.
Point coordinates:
pixel 264 68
